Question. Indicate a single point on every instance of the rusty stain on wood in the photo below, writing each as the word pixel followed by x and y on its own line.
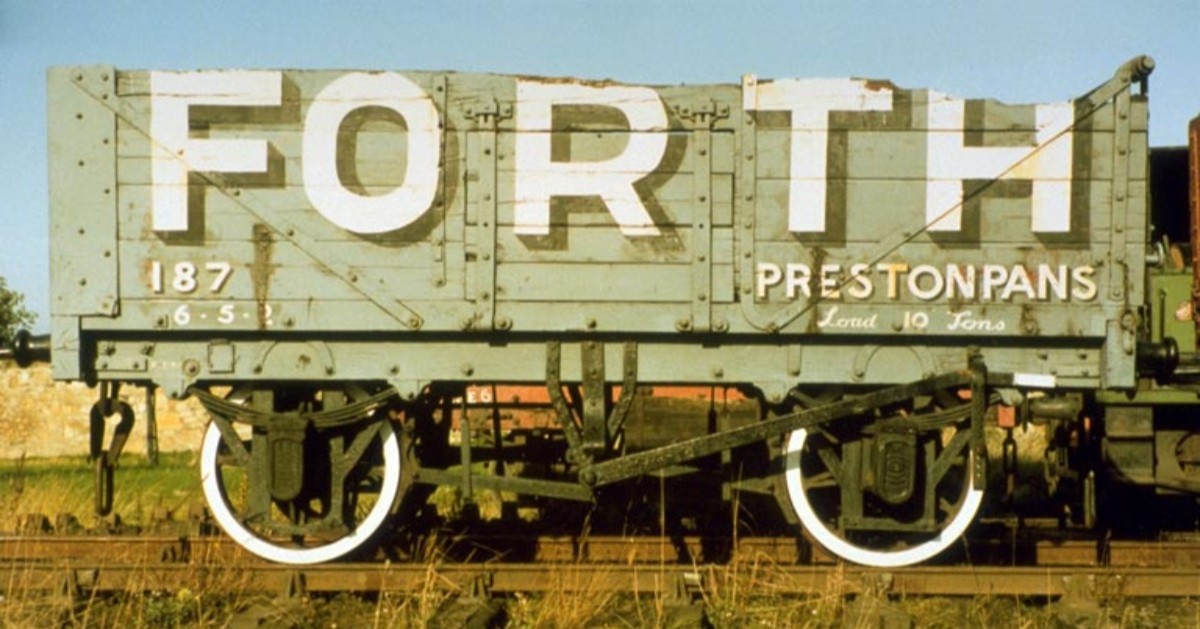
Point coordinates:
pixel 264 247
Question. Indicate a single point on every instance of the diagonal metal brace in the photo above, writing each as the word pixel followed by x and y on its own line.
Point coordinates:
pixel 561 410
pixel 634 465
pixel 616 418
pixel 1136 70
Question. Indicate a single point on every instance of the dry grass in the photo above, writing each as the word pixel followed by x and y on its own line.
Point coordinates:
pixel 51 487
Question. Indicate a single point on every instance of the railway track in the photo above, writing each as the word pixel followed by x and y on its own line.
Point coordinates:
pixel 649 565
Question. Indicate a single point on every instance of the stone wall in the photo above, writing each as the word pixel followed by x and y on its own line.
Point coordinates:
pixel 41 418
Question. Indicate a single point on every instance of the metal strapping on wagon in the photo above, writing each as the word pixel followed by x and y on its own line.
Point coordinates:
pixel 633 465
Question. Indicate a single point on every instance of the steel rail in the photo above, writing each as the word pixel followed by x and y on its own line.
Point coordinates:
pixel 758 578
pixel 1023 551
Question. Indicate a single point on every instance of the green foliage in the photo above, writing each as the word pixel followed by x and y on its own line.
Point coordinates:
pixel 13 315
pixel 160 609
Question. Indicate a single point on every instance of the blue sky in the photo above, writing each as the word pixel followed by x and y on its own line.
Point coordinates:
pixel 1014 50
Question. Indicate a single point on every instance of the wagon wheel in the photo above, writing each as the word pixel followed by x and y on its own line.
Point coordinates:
pixel 350 481
pixel 885 491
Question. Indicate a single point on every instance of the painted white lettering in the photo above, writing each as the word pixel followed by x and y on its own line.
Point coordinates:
pixel 1047 164
pixel 1018 282
pixel 766 276
pixel 346 208
pixel 809 101
pixel 985 283
pixel 994 277
pixel 1085 286
pixel 831 320
pixel 1052 279
pixel 960 281
pixel 175 153
pixel 894 270
pixel 829 314
pixel 861 286
pixel 915 321
pixel 538 177
pixel 964 321
pixel 935 282
pixel 830 277
pixel 798 277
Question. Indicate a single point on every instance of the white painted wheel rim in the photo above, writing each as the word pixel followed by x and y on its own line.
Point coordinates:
pixel 214 493
pixel 868 556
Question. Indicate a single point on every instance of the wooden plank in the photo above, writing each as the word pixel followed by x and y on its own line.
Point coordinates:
pixel 926 253
pixel 875 210
pixel 902 154
pixel 83 193
pixel 592 282
pixel 300 87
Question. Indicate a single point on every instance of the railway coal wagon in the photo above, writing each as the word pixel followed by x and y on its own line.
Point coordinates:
pixel 354 272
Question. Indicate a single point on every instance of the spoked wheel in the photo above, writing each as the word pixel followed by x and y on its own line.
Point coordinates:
pixel 884 492
pixel 301 498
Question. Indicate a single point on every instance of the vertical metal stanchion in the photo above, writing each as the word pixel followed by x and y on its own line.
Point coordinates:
pixel 151 426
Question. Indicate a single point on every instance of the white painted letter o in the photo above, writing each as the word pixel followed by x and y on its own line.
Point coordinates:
pixel 345 208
